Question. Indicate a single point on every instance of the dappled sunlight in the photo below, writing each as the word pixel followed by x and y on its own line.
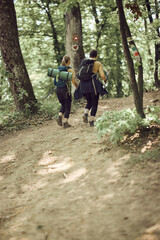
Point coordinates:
pixel 154 228
pixel 76 120
pixel 74 175
pixel 1 178
pixel 103 107
pixel 34 186
pixel 148 237
pixel 151 233
pixel 113 170
pixel 17 226
pixel 22 238
pixel 47 158
pixel 62 164
pixel 107 196
pixel 8 158
pixel 55 169
pixel 122 159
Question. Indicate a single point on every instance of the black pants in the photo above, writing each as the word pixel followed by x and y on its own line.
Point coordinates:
pixel 65 99
pixel 92 102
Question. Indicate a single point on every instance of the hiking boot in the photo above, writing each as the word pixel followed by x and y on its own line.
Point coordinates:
pixel 85 118
pixel 91 123
pixel 66 125
pixel 59 120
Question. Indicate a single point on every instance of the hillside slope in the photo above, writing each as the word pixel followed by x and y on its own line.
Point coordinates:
pixel 66 184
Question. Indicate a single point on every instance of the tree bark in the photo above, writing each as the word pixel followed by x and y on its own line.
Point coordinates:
pixel 74 42
pixel 119 76
pixel 137 89
pixel 56 44
pixel 157 45
pixel 99 25
pixel 20 84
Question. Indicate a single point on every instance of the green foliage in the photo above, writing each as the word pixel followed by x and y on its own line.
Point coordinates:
pixel 117 123
pixel 152 156
pixel 12 120
pixel 50 107
pixel 37 40
pixel 68 4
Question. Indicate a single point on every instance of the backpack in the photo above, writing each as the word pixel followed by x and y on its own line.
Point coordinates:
pixel 61 82
pixel 85 70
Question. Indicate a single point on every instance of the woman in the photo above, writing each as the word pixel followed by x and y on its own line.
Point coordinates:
pixel 92 88
pixel 64 93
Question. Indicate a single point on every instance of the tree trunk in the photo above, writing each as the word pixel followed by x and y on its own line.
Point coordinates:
pixel 157 49
pixel 157 45
pixel 21 87
pixel 99 25
pixel 150 59
pixel 125 34
pixel 56 44
pixel 74 43
pixel 119 76
pixel 157 58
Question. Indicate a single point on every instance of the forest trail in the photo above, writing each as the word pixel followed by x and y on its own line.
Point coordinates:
pixel 66 184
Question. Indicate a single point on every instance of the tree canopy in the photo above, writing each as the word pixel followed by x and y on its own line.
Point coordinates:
pixel 42 35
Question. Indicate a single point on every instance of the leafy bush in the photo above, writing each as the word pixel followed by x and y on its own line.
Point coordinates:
pixel 117 123
pixel 13 120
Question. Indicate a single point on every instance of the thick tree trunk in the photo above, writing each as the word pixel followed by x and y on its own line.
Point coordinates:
pixel 125 33
pixel 157 49
pixel 74 43
pixel 157 58
pixel 21 87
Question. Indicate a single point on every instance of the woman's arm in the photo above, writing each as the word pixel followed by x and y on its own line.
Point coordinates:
pixel 101 72
pixel 73 77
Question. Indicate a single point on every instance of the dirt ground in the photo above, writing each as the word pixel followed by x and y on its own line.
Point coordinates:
pixel 66 184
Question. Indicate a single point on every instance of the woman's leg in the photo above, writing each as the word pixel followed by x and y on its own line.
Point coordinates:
pixel 87 107
pixel 60 95
pixel 68 101
pixel 95 99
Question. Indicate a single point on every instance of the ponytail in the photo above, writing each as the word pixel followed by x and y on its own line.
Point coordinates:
pixel 65 60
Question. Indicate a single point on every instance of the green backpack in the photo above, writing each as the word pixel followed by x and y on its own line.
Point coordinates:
pixel 61 76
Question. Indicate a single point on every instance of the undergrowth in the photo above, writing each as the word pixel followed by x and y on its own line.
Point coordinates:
pixel 12 120
pixel 148 156
pixel 118 123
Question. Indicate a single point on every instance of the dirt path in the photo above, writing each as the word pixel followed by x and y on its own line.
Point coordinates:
pixel 66 184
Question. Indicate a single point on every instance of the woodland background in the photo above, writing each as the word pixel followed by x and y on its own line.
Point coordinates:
pixel 42 33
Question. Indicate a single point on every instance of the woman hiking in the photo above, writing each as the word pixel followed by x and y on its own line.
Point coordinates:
pixel 63 92
pixel 90 87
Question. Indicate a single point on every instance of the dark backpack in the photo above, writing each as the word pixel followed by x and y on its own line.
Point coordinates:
pixel 58 82
pixel 85 70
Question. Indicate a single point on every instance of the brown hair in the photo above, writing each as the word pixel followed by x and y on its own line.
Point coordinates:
pixel 65 60
pixel 93 53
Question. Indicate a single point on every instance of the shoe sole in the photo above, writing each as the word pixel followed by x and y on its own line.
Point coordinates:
pixel 85 120
pixel 59 122
pixel 67 126
pixel 91 124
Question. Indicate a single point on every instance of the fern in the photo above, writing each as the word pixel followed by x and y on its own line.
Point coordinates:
pixel 117 123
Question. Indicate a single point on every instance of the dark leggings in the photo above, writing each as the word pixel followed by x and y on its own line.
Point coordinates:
pixel 65 99
pixel 92 102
